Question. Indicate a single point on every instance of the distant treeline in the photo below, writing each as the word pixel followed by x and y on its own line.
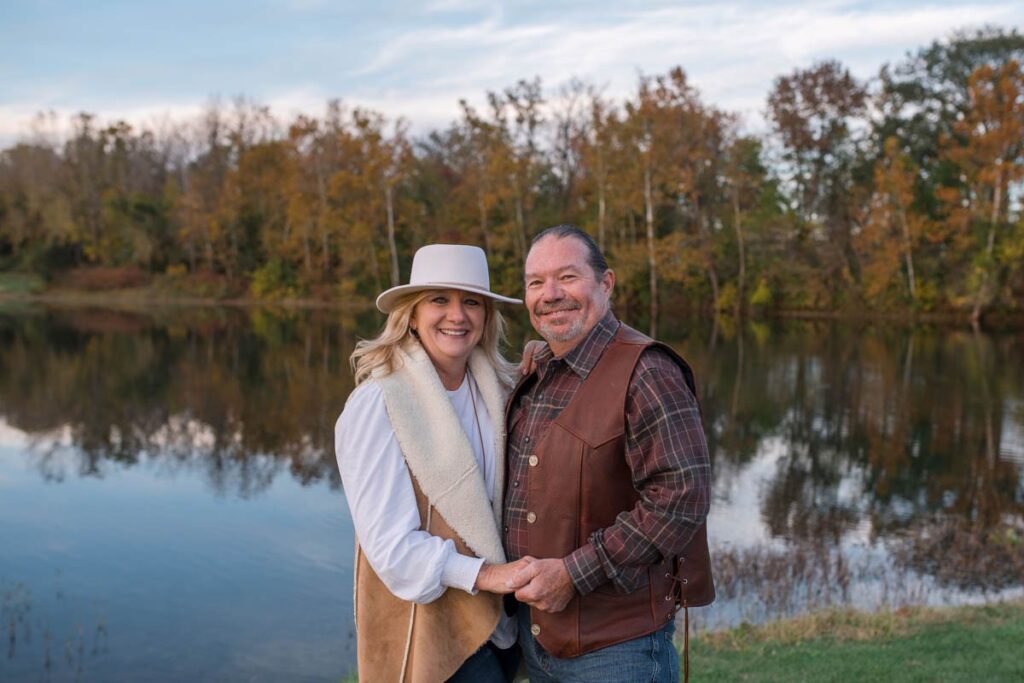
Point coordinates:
pixel 900 193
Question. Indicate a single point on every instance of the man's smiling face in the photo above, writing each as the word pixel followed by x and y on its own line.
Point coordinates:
pixel 564 296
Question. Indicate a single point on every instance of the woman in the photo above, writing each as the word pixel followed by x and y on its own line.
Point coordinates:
pixel 420 448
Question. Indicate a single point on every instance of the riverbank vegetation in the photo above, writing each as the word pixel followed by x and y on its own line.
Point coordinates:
pixel 900 193
pixel 912 644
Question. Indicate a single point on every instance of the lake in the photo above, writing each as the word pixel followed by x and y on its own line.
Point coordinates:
pixel 170 508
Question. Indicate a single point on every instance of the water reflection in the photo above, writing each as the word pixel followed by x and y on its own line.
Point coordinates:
pixel 883 424
pixel 853 463
pixel 207 389
pixel 888 424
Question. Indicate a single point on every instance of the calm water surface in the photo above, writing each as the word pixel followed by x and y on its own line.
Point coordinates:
pixel 170 507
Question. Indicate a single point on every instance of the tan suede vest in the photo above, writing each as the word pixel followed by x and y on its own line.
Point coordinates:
pixel 579 483
pixel 403 641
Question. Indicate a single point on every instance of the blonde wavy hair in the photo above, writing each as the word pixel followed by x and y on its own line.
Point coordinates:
pixel 379 352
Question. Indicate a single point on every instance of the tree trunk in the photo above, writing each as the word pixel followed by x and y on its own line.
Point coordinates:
pixel 392 247
pixel 208 248
pixel 908 255
pixel 374 266
pixel 713 277
pixel 708 252
pixel 741 277
pixel 321 220
pixel 307 252
pixel 233 261
pixel 982 293
pixel 485 230
pixel 651 261
pixel 521 238
pixel 601 212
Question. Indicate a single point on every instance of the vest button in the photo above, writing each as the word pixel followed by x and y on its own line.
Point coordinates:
pixel 535 630
pixel 531 517
pixel 534 460
pixel 526 439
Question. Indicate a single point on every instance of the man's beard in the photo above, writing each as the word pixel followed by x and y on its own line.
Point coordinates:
pixel 550 333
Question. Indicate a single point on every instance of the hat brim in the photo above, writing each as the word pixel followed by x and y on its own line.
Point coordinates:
pixel 387 299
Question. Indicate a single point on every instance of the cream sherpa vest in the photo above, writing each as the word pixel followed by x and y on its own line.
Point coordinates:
pixel 399 640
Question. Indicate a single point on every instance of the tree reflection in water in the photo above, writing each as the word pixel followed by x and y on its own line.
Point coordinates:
pixel 212 389
pixel 884 433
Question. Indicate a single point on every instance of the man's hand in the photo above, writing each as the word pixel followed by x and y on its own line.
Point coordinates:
pixel 549 589
pixel 501 578
pixel 526 365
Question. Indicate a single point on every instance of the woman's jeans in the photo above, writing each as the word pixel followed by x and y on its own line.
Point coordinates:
pixel 489 664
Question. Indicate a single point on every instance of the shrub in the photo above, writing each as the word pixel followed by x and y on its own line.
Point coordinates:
pixel 273 280
pixel 762 296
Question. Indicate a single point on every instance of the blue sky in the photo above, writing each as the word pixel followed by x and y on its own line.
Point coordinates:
pixel 143 60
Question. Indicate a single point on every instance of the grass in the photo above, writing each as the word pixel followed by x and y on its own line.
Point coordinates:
pixel 918 644
pixel 21 283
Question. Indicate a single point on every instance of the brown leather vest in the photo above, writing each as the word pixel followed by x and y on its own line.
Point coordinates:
pixel 579 484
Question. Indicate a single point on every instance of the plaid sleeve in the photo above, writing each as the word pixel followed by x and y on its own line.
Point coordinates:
pixel 668 455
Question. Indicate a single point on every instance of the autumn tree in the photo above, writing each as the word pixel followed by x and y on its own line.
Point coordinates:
pixel 988 148
pixel 894 226
pixel 744 178
pixel 814 112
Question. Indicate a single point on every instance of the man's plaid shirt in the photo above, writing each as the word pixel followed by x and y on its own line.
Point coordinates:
pixel 665 449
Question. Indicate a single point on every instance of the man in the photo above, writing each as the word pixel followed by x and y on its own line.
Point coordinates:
pixel 608 482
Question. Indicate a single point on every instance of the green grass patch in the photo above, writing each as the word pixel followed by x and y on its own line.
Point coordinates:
pixel 956 644
pixel 21 283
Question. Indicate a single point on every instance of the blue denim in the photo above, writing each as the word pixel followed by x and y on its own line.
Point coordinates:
pixel 489 664
pixel 647 659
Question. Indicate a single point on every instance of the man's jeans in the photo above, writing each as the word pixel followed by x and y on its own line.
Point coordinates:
pixel 647 659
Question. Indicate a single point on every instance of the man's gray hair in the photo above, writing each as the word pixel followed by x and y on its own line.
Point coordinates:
pixel 595 259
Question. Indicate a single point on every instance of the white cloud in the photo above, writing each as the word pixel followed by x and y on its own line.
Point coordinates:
pixel 16 121
pixel 732 53
pixel 423 64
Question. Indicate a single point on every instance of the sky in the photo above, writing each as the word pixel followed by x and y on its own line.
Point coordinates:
pixel 144 61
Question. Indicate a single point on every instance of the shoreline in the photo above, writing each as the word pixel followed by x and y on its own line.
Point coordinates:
pixel 149 296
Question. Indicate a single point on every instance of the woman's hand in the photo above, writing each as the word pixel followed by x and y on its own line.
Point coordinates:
pixel 498 578
pixel 526 365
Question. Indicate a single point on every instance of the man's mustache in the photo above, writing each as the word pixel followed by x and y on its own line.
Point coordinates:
pixel 542 309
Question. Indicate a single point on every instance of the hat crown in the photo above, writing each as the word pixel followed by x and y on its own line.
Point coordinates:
pixel 450 264
pixel 445 266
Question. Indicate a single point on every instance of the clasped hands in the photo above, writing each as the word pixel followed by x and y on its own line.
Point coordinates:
pixel 544 584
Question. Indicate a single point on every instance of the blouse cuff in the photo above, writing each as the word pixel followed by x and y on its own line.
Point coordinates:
pixel 460 572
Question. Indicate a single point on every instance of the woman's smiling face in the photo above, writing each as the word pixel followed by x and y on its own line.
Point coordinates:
pixel 449 323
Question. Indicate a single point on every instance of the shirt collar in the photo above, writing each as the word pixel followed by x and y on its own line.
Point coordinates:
pixel 582 358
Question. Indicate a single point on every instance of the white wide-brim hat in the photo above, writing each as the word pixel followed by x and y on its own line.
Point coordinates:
pixel 445 266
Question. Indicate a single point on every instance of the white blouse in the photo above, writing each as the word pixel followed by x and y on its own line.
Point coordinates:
pixel 412 563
